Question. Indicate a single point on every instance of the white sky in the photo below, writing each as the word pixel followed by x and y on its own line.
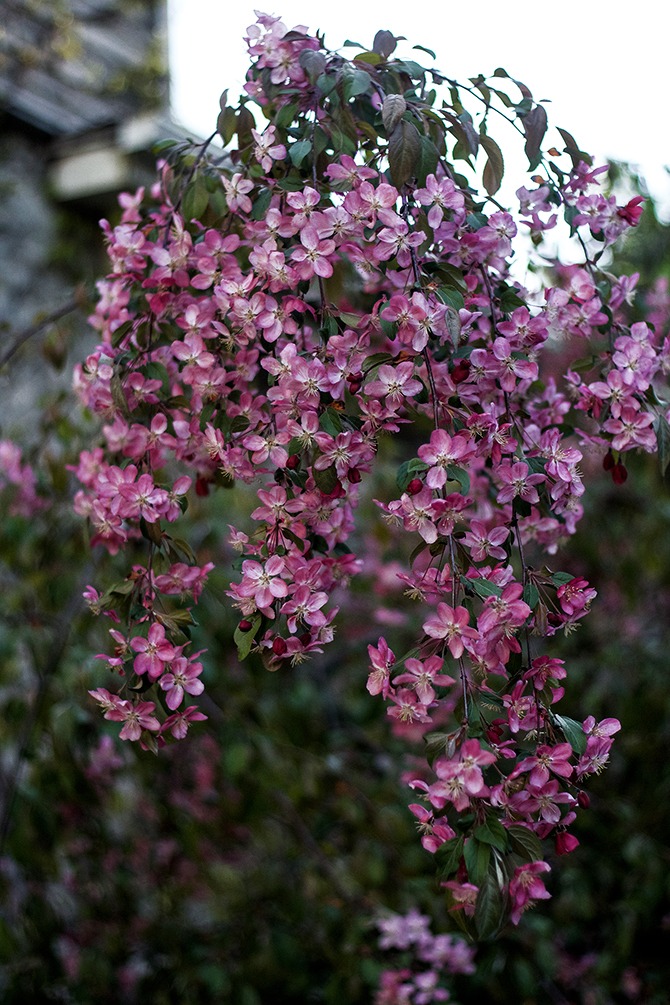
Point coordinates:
pixel 604 66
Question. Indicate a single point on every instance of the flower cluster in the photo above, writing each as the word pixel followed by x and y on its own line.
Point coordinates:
pixel 18 480
pixel 268 318
pixel 428 959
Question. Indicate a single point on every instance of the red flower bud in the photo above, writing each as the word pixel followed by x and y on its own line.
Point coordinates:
pixel 619 474
pixel 414 487
pixel 245 626
pixel 201 487
pixel 279 646
pixel 565 843
pixel 583 800
pixel 293 462
pixel 608 461
pixel 461 371
pixel 353 476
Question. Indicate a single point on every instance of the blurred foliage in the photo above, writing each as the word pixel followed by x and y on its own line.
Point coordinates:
pixel 247 864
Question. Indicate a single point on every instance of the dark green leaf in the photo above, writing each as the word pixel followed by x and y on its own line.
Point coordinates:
pixel 481 587
pixel 245 123
pixel 299 151
pixel 531 595
pixel 572 731
pixel 393 108
pixel 326 479
pixel 326 83
pixel 453 298
pixel 355 82
pixel 448 857
pixel 245 640
pixel 492 832
pixel 489 907
pixel 525 843
pixel 460 475
pixel 476 221
pixel 285 116
pixel 375 360
pixel 422 48
pixel 495 167
pixel 428 160
pixel 196 198
pixel 261 205
pixel 404 150
pixel 510 300
pixel 409 470
pixel 330 422
pixel 663 441
pixel 477 855
pixel 226 125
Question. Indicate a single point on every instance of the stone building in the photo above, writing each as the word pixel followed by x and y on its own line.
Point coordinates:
pixel 83 98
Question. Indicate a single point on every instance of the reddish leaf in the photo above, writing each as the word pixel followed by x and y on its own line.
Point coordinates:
pixel 393 109
pixel 534 126
pixel 384 43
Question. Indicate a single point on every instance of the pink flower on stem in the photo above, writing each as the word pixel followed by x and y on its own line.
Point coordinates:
pixel 381 660
pixel 518 481
pixel 450 623
pixel 266 150
pixel 434 831
pixel 525 887
pixel 179 723
pixel 304 607
pixel 136 716
pixel 237 189
pixel 153 652
pixel 546 759
pixel 313 257
pixel 442 451
pixel 422 675
pixel 264 583
pixel 182 677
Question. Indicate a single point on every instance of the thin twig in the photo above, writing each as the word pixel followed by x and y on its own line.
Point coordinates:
pixel 77 301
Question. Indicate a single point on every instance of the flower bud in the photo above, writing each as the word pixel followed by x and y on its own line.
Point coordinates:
pixel 619 474
pixel 279 646
pixel 565 843
pixel 461 371
pixel 414 487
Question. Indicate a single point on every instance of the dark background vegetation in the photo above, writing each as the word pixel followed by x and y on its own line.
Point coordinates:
pixel 247 864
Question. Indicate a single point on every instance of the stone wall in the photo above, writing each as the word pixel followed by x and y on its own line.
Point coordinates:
pixel 83 97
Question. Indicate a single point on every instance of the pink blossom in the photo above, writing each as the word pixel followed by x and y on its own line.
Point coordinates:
pixel 450 623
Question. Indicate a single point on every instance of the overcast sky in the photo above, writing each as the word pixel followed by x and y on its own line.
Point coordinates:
pixel 603 66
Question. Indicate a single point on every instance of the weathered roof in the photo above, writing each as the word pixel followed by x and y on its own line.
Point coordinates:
pixel 68 66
